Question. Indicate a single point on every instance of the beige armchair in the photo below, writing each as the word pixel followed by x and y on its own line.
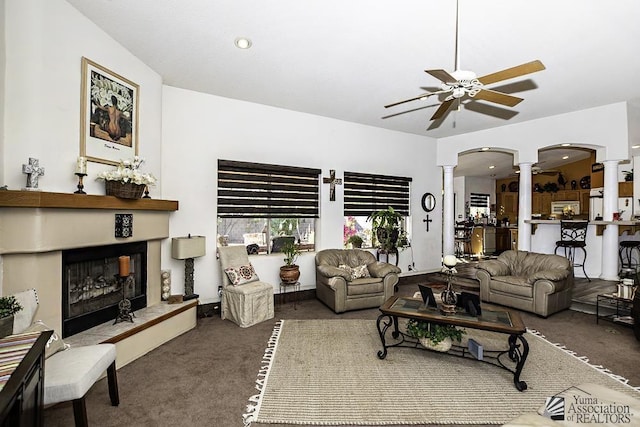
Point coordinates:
pixel 245 301
pixel 351 279
pixel 538 283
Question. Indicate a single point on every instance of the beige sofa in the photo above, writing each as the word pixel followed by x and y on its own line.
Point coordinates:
pixel 337 287
pixel 538 283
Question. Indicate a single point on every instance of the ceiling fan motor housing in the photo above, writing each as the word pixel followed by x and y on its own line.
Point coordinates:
pixel 466 82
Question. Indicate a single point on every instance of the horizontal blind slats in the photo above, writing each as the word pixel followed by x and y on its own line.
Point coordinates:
pixel 256 190
pixel 367 193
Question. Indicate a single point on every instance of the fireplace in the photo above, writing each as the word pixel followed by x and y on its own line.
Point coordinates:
pixel 91 288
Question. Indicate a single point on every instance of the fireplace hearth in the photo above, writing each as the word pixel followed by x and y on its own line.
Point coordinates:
pixel 91 290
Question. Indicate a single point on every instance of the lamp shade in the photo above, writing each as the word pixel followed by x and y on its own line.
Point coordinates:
pixel 188 247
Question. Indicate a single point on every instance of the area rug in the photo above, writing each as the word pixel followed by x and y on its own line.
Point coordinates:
pixel 326 372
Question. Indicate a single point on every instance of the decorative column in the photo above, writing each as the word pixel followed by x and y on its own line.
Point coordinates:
pixel 610 234
pixel 524 207
pixel 448 215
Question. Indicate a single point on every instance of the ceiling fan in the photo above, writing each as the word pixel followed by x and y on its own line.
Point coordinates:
pixel 463 83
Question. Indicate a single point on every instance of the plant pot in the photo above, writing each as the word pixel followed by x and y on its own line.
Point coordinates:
pixel 6 326
pixel 289 273
pixel 443 346
pixel 124 190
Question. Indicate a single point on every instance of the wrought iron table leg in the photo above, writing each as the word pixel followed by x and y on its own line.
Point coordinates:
pixel 382 331
pixel 518 355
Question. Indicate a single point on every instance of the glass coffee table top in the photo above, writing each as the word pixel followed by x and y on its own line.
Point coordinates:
pixel 491 319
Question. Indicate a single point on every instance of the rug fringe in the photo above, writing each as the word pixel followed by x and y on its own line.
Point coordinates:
pixel 263 373
pixel 584 359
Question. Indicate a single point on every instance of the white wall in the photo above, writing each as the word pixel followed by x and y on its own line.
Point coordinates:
pixel 601 126
pixel 199 129
pixel 45 41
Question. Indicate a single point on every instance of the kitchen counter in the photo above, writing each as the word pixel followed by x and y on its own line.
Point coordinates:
pixel 630 227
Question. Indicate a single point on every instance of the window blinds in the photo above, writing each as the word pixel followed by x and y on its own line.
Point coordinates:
pixel 256 190
pixel 367 193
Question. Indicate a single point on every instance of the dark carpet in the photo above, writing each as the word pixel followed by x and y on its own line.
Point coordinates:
pixel 205 376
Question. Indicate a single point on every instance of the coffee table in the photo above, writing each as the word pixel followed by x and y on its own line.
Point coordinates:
pixel 499 320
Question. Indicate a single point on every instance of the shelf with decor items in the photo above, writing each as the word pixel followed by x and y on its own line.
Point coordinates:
pixel 43 199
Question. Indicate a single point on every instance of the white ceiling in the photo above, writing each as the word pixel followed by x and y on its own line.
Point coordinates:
pixel 347 59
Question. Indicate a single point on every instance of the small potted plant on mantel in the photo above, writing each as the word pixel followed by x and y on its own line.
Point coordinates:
pixel 8 307
pixel 290 272
pixel 434 336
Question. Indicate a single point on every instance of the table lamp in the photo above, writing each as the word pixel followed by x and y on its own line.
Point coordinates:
pixel 188 248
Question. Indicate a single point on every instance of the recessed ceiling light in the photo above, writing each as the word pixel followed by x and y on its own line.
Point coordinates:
pixel 242 43
pixel 492 167
pixel 485 148
pixel 566 144
pixel 565 157
pixel 635 146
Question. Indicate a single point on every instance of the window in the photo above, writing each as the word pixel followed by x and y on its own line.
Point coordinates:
pixel 479 205
pixel 262 206
pixel 367 193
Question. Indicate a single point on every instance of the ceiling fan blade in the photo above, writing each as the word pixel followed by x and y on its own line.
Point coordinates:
pixel 423 96
pixel 442 109
pixel 498 97
pixel 442 75
pixel 509 73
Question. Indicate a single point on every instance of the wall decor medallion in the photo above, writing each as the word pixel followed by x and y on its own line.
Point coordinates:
pixel 109 115
pixel 428 202
pixel 124 225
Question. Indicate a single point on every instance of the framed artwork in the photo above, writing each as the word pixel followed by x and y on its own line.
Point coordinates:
pixel 109 115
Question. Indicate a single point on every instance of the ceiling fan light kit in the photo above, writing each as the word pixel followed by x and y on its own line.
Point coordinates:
pixel 461 83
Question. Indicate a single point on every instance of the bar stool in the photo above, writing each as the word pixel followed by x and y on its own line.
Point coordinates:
pixel 462 239
pixel 629 254
pixel 572 237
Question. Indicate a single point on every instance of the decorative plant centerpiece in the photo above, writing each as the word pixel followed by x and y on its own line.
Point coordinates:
pixel 8 307
pixel 567 212
pixel 290 272
pixel 386 227
pixel 126 181
pixel 434 336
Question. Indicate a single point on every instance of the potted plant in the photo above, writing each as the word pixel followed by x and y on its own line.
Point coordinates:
pixel 386 227
pixel 126 181
pixel 8 307
pixel 290 272
pixel 355 241
pixel 434 336
pixel 628 175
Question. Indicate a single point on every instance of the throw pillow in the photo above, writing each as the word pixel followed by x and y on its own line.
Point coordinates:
pixel 241 275
pixel 55 343
pixel 355 272
pixel 29 301
pixel 359 272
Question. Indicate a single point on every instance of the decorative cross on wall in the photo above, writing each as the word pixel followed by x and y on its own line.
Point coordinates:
pixel 33 171
pixel 332 181
pixel 427 220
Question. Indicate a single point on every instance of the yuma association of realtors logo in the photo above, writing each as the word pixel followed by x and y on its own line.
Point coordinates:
pixel 586 409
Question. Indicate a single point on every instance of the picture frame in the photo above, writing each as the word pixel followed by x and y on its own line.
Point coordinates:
pixel 108 133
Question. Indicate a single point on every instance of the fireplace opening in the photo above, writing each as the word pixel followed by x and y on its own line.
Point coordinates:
pixel 91 289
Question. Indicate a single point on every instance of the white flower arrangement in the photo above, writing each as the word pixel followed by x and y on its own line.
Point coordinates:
pixel 128 171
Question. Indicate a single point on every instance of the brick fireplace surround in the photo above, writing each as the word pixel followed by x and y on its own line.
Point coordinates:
pixel 35 227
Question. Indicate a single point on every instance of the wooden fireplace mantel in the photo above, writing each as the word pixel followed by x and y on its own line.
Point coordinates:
pixel 43 199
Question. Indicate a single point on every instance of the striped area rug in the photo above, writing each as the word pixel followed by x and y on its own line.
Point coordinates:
pixel 326 372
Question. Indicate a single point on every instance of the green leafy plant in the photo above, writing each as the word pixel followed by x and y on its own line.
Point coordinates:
pixel 433 331
pixel 291 252
pixel 628 175
pixel 386 224
pixel 355 240
pixel 9 306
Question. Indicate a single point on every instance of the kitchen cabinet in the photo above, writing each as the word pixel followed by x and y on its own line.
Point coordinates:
pixel 503 239
pixel 625 189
